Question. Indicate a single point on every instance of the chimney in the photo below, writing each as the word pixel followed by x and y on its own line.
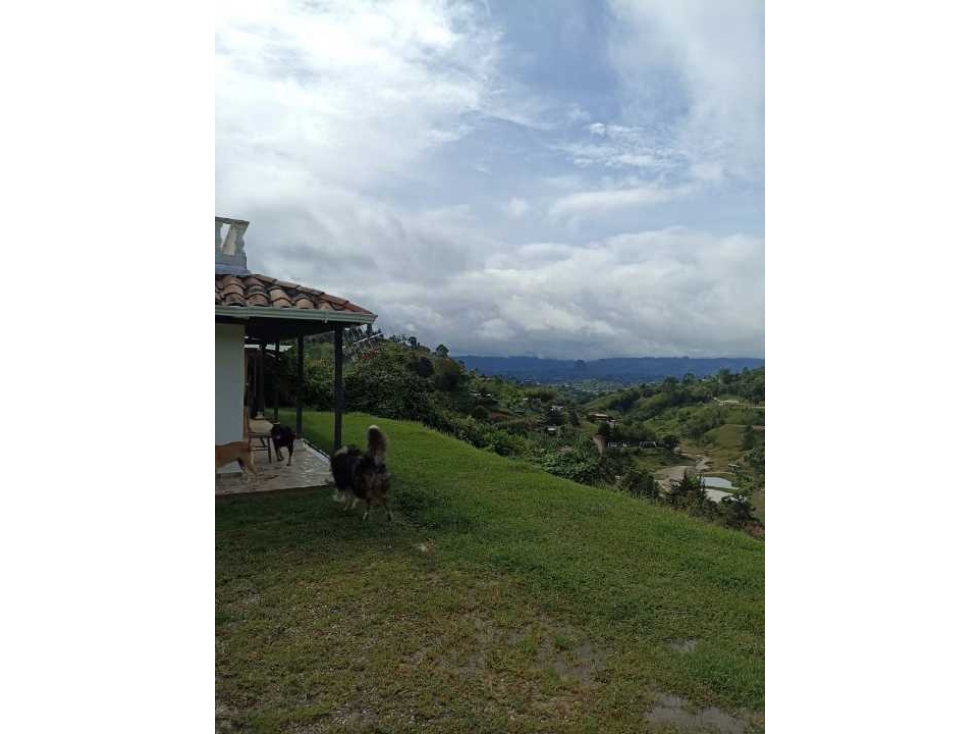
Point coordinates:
pixel 229 246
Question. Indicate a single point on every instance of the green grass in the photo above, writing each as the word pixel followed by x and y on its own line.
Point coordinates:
pixel 501 598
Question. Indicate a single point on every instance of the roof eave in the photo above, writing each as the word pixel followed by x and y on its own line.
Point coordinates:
pixel 294 314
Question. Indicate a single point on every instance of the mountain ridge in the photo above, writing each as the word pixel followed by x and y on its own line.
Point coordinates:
pixel 623 370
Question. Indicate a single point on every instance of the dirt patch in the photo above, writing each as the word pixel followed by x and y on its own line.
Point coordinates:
pixel 676 711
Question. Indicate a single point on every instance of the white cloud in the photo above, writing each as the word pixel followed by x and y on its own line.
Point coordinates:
pixel 346 92
pixel 607 201
pixel 328 112
pixel 665 292
pixel 703 60
pixel 516 208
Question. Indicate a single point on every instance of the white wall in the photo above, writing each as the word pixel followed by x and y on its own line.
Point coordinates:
pixel 229 382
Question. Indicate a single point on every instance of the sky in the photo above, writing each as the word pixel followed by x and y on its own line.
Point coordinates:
pixel 571 179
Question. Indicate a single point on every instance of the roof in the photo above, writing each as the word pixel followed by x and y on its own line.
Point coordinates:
pixel 261 291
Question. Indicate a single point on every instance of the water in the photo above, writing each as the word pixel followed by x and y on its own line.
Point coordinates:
pixel 714 485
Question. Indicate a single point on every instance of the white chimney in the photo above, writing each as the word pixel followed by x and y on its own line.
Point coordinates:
pixel 229 246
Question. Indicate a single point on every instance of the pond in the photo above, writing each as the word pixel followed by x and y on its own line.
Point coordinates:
pixel 717 483
pixel 714 487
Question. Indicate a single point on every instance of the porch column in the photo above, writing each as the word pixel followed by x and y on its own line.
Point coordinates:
pixel 337 386
pixel 278 376
pixel 260 399
pixel 299 387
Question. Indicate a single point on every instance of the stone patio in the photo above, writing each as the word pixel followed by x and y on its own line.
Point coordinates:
pixel 309 468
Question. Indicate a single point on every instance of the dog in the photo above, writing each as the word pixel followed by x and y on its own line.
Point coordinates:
pixel 363 476
pixel 240 451
pixel 282 437
pixel 377 445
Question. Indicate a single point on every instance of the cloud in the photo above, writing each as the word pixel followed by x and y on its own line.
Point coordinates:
pixel 346 92
pixel 665 292
pixel 608 201
pixel 352 135
pixel 697 65
pixel 516 208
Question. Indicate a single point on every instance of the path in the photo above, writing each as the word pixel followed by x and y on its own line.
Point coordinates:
pixel 675 473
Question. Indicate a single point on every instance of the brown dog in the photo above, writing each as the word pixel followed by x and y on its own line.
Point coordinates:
pixel 240 451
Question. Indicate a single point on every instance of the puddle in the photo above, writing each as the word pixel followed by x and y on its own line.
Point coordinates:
pixel 584 662
pixel 676 711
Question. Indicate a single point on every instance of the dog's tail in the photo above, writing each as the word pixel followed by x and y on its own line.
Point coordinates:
pixel 377 445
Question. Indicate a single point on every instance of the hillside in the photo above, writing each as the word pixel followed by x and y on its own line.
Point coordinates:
pixel 400 378
pixel 718 424
pixel 501 598
pixel 623 371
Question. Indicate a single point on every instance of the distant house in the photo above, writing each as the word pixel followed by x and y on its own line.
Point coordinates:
pixel 598 416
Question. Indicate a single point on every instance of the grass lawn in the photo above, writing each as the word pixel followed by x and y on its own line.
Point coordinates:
pixel 501 598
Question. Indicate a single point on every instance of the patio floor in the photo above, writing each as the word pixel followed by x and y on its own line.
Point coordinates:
pixel 309 468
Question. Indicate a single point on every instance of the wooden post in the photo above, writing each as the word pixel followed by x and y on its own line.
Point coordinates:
pixel 278 376
pixel 260 400
pixel 299 388
pixel 337 387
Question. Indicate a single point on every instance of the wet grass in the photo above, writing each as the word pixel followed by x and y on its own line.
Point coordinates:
pixel 501 598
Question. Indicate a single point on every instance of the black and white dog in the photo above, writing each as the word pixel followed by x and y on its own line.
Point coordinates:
pixel 282 437
pixel 362 476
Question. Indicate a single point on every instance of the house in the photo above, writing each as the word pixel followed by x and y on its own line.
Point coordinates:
pixel 598 416
pixel 253 315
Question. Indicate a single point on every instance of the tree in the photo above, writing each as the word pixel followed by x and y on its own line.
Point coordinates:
pixel 413 342
pixel 442 351
pixel 640 483
pixel 670 442
pixel 480 413
pixel 448 375
pixel 421 366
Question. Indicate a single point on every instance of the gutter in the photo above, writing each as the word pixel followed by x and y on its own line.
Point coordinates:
pixel 294 314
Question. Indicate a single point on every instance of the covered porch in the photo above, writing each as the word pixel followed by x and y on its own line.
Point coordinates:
pixel 310 468
pixel 259 322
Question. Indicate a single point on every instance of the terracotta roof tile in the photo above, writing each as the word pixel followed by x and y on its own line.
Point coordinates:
pixel 261 290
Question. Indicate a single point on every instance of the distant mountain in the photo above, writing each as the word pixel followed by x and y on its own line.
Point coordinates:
pixel 624 370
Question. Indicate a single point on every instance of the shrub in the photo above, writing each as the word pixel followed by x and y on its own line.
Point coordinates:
pixel 641 484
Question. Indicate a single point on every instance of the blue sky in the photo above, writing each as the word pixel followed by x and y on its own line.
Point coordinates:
pixel 563 179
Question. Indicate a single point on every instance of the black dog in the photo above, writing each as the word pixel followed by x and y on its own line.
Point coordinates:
pixel 282 436
pixel 362 477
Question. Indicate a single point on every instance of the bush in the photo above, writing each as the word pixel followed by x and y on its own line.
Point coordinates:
pixel 736 511
pixel 578 465
pixel 480 413
pixel 506 444
pixel 641 484
pixel 669 442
